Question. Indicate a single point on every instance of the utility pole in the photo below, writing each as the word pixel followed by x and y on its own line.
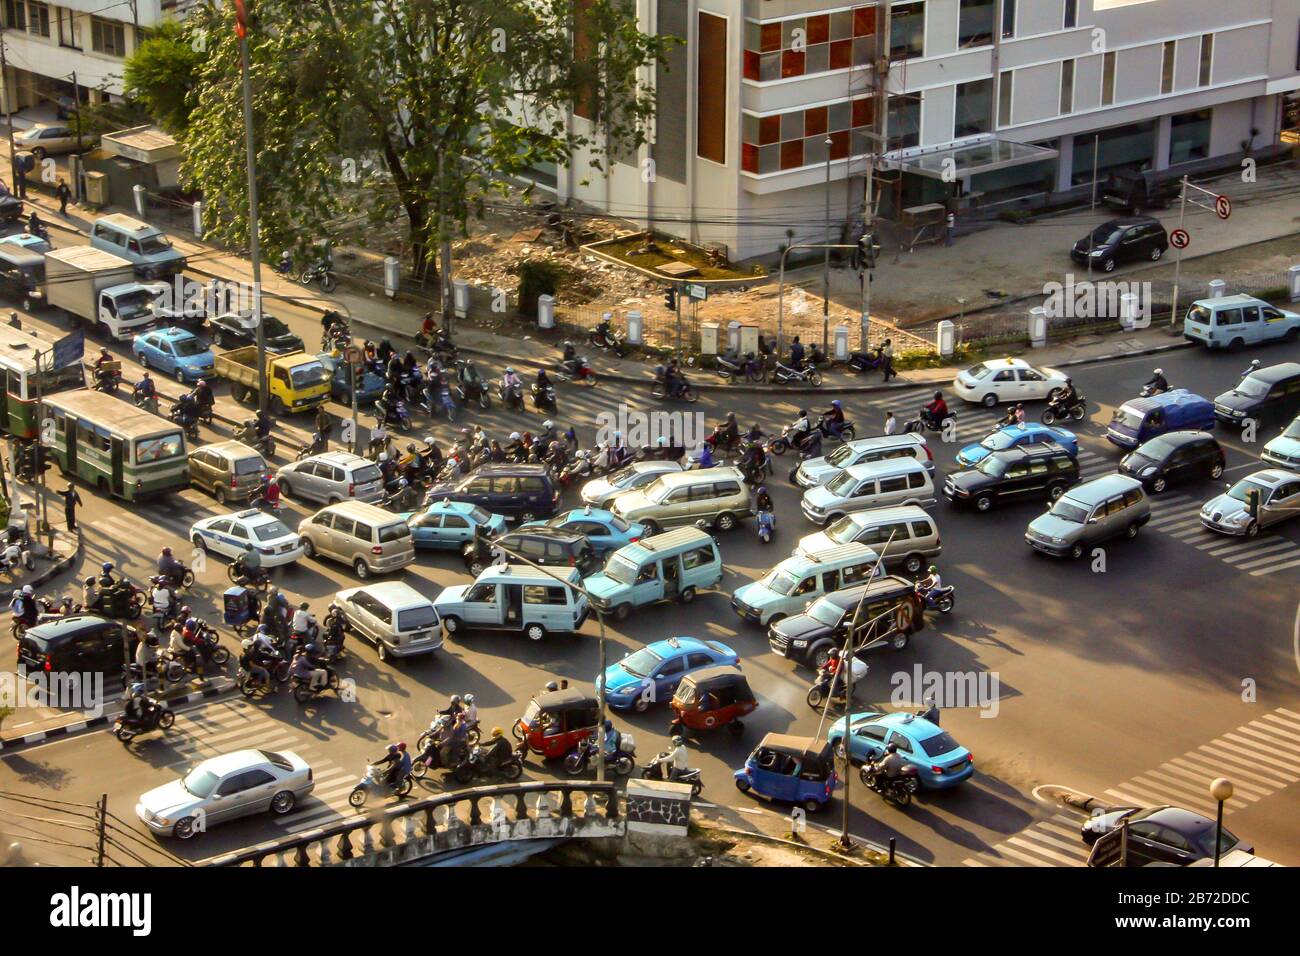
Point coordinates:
pixel 241 30
pixel 39 456
pixel 101 827
pixel 9 118
pixel 826 260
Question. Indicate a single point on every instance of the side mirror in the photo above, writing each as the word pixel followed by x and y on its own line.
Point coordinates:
pixel 1092 520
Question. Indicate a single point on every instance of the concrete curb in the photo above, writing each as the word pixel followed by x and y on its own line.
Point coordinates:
pixel 59 566
pixel 10 744
pixel 829 855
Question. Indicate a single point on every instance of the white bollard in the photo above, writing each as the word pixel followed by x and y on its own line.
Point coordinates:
pixel 946 337
pixel 460 297
pixel 392 276
pixel 1293 282
pixel 139 193
pixel 841 343
pixel 1037 327
pixel 634 329
pixel 197 212
pixel 546 311
pixel 1218 289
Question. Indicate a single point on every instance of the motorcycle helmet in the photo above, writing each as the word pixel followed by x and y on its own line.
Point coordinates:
pixel 106 567
pixel 392 748
pixel 548 424
pixel 833 653
pixel 455 699
pixel 469 700
pixel 762 489
pixel 515 436
pixel 552 686
pixel 186 613
pixel 934 569
pixel 731 416
pixel 263 629
pixel 1160 371
pixel 510 370
pixel 938 395
pixel 677 741
pixel 567 345
pixel 410 446
pixel 891 748
pixel 835 403
pixel 302 606
pixel 137 689
pixel 27 589
pixel 383 456
pixel 497 732
pixel 191 623
pixel 167 552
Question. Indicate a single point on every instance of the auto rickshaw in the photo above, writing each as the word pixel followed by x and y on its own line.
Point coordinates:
pixel 712 697
pixel 555 722
pixel 240 609
pixel 798 770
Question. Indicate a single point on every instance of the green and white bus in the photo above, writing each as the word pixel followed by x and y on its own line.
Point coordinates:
pixel 109 443
pixel 18 350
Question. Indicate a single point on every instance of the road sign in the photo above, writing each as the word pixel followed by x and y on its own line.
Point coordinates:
pixel 700 292
pixel 70 349
pixel 1179 239
pixel 1109 849
pixel 1222 207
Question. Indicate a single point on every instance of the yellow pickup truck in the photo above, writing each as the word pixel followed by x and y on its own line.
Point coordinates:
pixel 298 382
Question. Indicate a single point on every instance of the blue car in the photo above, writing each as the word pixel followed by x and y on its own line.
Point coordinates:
pixel 1010 436
pixel 372 385
pixel 175 352
pixel 449 525
pixel 652 674
pixel 941 761
pixel 29 242
pixel 606 531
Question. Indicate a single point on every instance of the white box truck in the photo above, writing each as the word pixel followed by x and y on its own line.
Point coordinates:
pixel 100 288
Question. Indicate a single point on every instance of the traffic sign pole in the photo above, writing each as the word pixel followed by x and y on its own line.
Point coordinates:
pixel 1178 261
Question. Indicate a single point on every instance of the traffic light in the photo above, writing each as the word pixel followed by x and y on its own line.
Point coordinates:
pixel 868 249
pixel 670 299
pixel 1252 503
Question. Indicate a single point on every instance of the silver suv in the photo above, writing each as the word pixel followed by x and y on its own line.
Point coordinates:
pixel 332 477
pixel 1088 513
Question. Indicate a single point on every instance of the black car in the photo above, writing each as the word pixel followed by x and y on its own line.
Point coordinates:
pixel 231 330
pixel 1014 474
pixel 890 604
pixel 1172 458
pixel 1122 240
pixel 11 207
pixel 1162 835
pixel 22 274
pixel 1135 190
pixel 552 547
pixel 78 644
pixel 516 491
pixel 1272 392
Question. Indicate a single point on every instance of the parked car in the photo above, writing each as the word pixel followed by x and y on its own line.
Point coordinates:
pixel 1134 190
pixel 330 477
pixel 818 471
pixel 525 492
pixel 1117 241
pixel 606 531
pixel 1235 321
pixel 1013 436
pixel 1020 473
pixel 1284 450
pixel 651 675
pixel 450 525
pixel 230 535
pixel 225 788
pixel 175 352
pixel 1163 834
pixel 1007 380
pixel 1089 514
pixel 1279 499
pixel 51 139
pixel 601 492
pixel 940 760
pixel 1174 458
pixel 232 330
pixel 1271 393
pixel 397 619
pixel 372 385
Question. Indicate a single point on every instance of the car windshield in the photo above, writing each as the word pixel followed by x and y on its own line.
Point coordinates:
pixel 842 484
pixel 1238 491
pixel 1127 417
pixel 840 456
pixel 479 515
pixel 621 569
pixel 1293 430
pixel 992 466
pixel 1068 510
pixel 642 663
pixel 618 524
pixel 305 376
pixel 978 371
pixel 200 782
pixel 417 618
pixel 1199 314
pixel 843 531
pixel 394 532
pixel 1251 387
pixel 186 348
pixel 272 530
pixel 825 612
pixel 780 581
pixel 623 478
pixel 1103 235
pixel 151 244
pixel 1157 449
pixel 658 491
pixel 274 327
pixel 939 744
pixel 998 441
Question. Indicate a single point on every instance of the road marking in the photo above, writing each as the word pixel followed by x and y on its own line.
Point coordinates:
pixel 1044 851
pixel 1276 568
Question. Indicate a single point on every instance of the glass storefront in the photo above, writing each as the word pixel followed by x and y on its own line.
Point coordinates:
pixel 1131 147
pixel 1189 136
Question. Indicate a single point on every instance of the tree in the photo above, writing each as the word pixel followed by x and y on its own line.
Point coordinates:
pixel 162 72
pixel 414 108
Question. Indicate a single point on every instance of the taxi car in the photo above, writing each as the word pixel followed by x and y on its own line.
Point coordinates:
pixel 1007 380
pixel 450 525
pixel 652 674
pixel 230 535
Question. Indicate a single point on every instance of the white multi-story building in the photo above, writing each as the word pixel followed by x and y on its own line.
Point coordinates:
pixel 991 100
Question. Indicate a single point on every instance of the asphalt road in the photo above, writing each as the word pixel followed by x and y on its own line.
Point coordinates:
pixel 1105 680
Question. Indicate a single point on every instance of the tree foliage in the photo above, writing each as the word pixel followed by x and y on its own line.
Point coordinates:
pixel 162 72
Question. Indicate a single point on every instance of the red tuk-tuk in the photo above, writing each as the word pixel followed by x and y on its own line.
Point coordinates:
pixel 556 721
pixel 711 697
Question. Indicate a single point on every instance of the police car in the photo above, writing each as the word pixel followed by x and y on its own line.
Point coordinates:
pixel 230 535
pixel 1007 380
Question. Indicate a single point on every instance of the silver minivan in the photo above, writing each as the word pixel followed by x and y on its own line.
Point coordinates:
pixel 1088 513
pixel 818 471
pixel 907 536
pixel 393 616
pixel 877 484
pixel 142 245
pixel 333 476
pixel 370 539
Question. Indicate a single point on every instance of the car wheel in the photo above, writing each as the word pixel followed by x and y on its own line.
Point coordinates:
pixel 1076 551
pixel 141 357
pixel 726 521
pixel 1252 530
pixel 775 619
pixel 821 655
pixel 687 595
pixel 1216 471
pixel 219 494
pixel 199 543
pixel 1159 485
pixel 1236 345
pixel 641 704
pixel 1108 265
pixel 899 641
pixel 1131 531
pixel 184 828
pixel 622 611
pixel 811 805
pixel 283 802
pixel 361 568
pixel 534 632
pixel 308 549
pixel 383 652
pixel 983 503
pixel 989 400
pixel 1055 492
pixel 913 563
pixel 651 528
pixel 180 375
pixel 285 488
pixel 451 624
pixel 526 517
pixel 1156 253
pixel 742 784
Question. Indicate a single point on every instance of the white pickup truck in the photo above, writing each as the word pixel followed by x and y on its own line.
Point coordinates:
pixel 99 288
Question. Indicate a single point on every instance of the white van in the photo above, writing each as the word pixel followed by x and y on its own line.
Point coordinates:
pixel 789 586
pixel 513 597
pixel 877 484
pixel 144 246
pixel 393 616
pixel 907 535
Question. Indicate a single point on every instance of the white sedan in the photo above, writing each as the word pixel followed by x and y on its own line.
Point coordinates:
pixel 230 535
pixel 1007 380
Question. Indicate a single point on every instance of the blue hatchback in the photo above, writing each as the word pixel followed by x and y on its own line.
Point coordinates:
pixel 652 674
pixel 606 531
pixel 1011 436
pixel 175 352
pixel 940 760
pixel 449 525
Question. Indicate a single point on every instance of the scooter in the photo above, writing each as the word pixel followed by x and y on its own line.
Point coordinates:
pixel 766 525
pixel 303 691
pixel 1149 390
pixel 285 266
pixel 372 783
pixel 581 374
pixel 604 337
pixel 847 431
pixel 512 397
pixel 734 368
pixel 544 399
pixel 107 381
pixel 474 765
pixel 897 790
pixel 655 770
pixel 397 415
pixel 475 390
pixel 157 717
pixel 1055 411
pixel 622 761
pixel 806 374
pixel 789 438
pixel 821 687
pixel 191 425
pixel 940 599
pixel 685 391
pixel 924 423
pixel 577 470
pixel 148 402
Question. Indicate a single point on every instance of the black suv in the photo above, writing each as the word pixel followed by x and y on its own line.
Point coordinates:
pixel 516 491
pixel 79 644
pixel 892 613
pixel 1026 471
pixel 1174 457
pixel 1269 392
pixel 1122 240
pixel 553 547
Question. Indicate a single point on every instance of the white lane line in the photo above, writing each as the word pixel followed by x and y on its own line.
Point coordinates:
pixel 1039 833
pixel 1134 796
pixel 1203 773
pixel 1270 738
pixel 1044 851
pixel 1218 547
pixel 1273 764
pixel 1024 857
pixel 1280 567
pixel 1250 769
pixel 1274 551
pixel 1289 725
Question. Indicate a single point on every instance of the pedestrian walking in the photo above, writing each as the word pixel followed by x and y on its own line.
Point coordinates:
pixel 20 181
pixel 887 360
pixel 891 423
pixel 951 229
pixel 70 501
pixel 63 194
pixel 324 423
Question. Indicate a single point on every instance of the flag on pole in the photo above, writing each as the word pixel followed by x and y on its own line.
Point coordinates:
pixel 241 20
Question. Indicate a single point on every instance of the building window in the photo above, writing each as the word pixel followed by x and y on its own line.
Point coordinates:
pixel 711 89
pixel 1008 19
pixel 1067 87
pixel 1107 79
pixel 904 121
pixel 1189 136
pixel 907 31
pixel 1207 59
pixel 16 14
pixel 38 18
pixel 808 45
pixel 798 138
pixel 107 37
pixel 69 28
pixel 1167 68
pixel 974 108
pixel 975 23
pixel 1004 97
pixel 1130 147
pixel 1071 15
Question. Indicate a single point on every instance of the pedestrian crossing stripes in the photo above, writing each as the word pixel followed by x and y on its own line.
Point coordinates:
pixel 1260 757
pixel 1179 516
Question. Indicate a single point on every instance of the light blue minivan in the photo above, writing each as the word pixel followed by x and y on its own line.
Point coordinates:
pixel 668 566
pixel 1235 321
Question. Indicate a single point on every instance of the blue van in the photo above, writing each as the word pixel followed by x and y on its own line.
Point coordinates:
pixel 1141 419
pixel 1235 321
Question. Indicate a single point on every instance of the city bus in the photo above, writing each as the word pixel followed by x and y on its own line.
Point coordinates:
pixel 109 443
pixel 18 363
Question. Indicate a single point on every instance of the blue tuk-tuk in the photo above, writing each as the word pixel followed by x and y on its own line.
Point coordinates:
pixel 798 770
pixel 240 609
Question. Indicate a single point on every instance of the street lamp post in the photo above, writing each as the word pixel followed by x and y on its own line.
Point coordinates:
pixel 780 291
pixel 241 30
pixel 1221 790
pixel 826 261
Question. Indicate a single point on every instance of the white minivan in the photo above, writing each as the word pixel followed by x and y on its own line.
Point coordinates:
pixel 393 616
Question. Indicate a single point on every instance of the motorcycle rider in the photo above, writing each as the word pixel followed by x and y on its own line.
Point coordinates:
pixel 753 463
pixel 304 626
pixel 935 412
pixel 248 566
pixel 832 419
pixel 103 372
pixel 541 386
pixel 830 671
pixel 455 707
pixel 251 660
pixel 161 598
pixel 146 655
pixel 611 739
pixel 138 706
pixel 726 433
pixel 304 669
pixel 548 434
pixel 24 606
pixel 930 583
pixel 1067 396
pixel 271 492
pixel 1015 415
pixel 796 353
pixel 395 764
pixel 677 759
pixel 469 379
pixel 570 360
pixel 204 400
pixel 762 500
pixel 469 711
pixel 891 764
pixel 510 382
pixel 603 330
pixel 931 712
pixel 168 566
pixel 145 388
pixel 1157 382
pixel 497 751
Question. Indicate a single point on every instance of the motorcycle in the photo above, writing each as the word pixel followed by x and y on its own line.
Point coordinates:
pixel 685 392
pixel 512 397
pixel 1055 411
pixel 474 765
pixel 1151 389
pixel 475 390
pixel 847 430
pixel 263 444
pixel 372 783
pixel 806 374
pixel 147 402
pixel 157 717
pixel 604 337
pixel 897 790
pixel 17 556
pixel 789 438
pixel 430 758
pixel 257 499
pixel 580 469
pixel 279 673
pixel 924 423
pixel 621 762
pixel 940 599
pixel 182 579
pixel 582 373
pixel 397 415
pixel 284 266
pixel 766 525
pixel 106 381
pixel 821 687
pixel 438 344
pixel 303 690
pixel 654 770
pixel 188 422
pixel 322 271
pixel 544 399
pixel 734 369
pixel 336 339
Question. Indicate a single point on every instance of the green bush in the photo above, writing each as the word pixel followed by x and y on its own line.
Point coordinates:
pixel 536 277
pixel 925 358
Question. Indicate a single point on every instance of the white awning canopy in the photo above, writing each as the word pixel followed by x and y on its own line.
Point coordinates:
pixel 966 157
